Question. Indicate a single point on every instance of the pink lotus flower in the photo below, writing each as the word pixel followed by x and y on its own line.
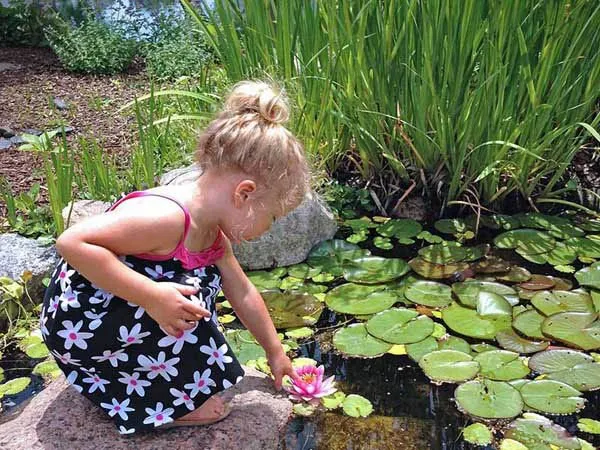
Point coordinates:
pixel 311 386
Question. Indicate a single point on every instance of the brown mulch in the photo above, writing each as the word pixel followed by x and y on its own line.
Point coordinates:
pixel 26 101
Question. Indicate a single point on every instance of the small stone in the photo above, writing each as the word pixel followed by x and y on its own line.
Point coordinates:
pixel 33 131
pixel 411 208
pixel 17 140
pixel 60 103
pixel 5 143
pixel 6 131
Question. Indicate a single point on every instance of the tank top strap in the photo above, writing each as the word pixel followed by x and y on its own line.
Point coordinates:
pixel 137 194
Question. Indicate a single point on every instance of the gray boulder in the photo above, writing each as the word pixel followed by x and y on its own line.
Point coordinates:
pixel 83 209
pixel 60 418
pixel 20 254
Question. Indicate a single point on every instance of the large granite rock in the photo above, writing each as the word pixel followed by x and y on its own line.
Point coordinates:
pixel 60 418
pixel 20 254
pixel 288 242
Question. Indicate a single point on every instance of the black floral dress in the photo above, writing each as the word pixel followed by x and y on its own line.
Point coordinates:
pixel 116 355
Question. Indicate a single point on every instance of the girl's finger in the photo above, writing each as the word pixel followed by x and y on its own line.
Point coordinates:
pixel 185 289
pixel 183 325
pixel 292 373
pixel 196 310
pixel 173 331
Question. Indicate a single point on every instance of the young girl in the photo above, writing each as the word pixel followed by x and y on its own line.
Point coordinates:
pixel 129 313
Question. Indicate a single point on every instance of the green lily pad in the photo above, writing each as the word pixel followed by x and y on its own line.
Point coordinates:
pixel 354 340
pixel 468 292
pixel 334 400
pixel 47 368
pixel 37 351
pixel 583 377
pixel 587 248
pixel 553 302
pixel 589 276
pixel 492 305
pixel 580 330
pixel 244 346
pixel 552 397
pixel 529 323
pixel 468 322
pixel 483 347
pixel 428 237
pixel 540 258
pixel 490 264
pixel 558 359
pixel 357 406
pixel 383 243
pixel 565 269
pixel 449 366
pixel 500 222
pixel 511 444
pixel 538 433
pixel 436 271
pixel 14 386
pixel 509 340
pixel 454 343
pixel 292 309
pixel 528 240
pixel 303 271
pixel 501 365
pixel 429 293
pixel 263 280
pixel 489 399
pixel 419 349
pixel 589 426
pixel 558 227
pixel 562 254
pixel 443 253
pixel 304 409
pixel 359 236
pixel 299 333
pixel 439 330
pixel 375 269
pixel 364 223
pixel 400 228
pixel 478 434
pixel 323 278
pixel 359 299
pixel 400 326
pixel 330 256
pixel 454 226
pixel 516 274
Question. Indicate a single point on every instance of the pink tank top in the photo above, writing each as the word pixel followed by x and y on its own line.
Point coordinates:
pixel 189 260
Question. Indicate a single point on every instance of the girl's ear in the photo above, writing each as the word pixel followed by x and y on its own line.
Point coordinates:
pixel 243 192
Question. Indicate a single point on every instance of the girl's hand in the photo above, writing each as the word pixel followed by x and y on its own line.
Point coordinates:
pixel 172 311
pixel 280 366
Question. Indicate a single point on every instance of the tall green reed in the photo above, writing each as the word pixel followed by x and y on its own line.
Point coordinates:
pixel 479 98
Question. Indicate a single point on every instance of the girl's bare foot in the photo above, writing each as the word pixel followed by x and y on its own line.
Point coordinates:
pixel 211 410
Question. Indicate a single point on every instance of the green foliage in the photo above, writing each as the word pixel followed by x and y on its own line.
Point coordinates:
pixel 23 23
pixel 24 214
pixel 345 201
pixel 91 47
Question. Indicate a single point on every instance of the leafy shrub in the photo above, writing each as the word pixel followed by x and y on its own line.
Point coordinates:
pixel 23 24
pixel 92 47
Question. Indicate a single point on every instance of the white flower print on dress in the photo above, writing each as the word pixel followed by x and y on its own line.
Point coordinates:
pixel 182 397
pixel 71 380
pixel 158 416
pixel 112 357
pixel 132 337
pixel 198 300
pixel 95 383
pixel 101 296
pixel 139 312
pixel 72 335
pixel 43 320
pixel 158 366
pixel 118 408
pixel 179 340
pixel 216 354
pixel 201 272
pixel 66 358
pixel 96 319
pixel 134 383
pixel 158 274
pixel 201 383
pixel 69 299
pixel 194 281
pixel 64 277
pixel 54 305
pixel 123 430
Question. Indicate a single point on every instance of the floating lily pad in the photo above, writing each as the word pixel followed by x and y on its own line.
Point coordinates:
pixel 555 360
pixel 478 434
pixel 334 400
pixel 443 253
pixel 299 333
pixel 553 302
pixel 357 406
pixel 436 271
pixel 516 274
pixel 534 258
pixel 562 254
pixel 364 223
pixel 454 343
pixel 329 256
pixel 292 309
pixel 244 346
pixel 527 240
pixel 353 298
pixel 323 277
pixel 449 366
pixel 359 236
pixel 493 305
pixel 429 293
pixel 304 409
pixel 419 349
pixel 47 368
pixel 226 318
pixel 589 276
pixel 510 340
pixel 374 269
pixel 589 426
pixel 264 280
pixel 14 386
pixel 354 340
pixel 538 432
pixel 454 226
pixel 561 284
pixel 400 326
pixel 37 351
pixel 303 271
pixel 511 444
pixel 538 283
pixel 491 264
pixel 439 330
pixel 468 292
pixel 500 221
pixel 489 399
pixel 400 228
pixel 552 397
pixel 468 322
pixel 428 237
pixel 501 365
pixel 383 243
pixel 581 330
pixel 583 377
pixel 483 347
pixel 587 248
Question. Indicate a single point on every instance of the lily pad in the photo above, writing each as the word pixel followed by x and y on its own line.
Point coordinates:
pixel 552 397
pixel 303 271
pixel 516 274
pixel 400 228
pixel 354 340
pixel 374 269
pixel 359 299
pixel 491 264
pixel 429 293
pixel 14 386
pixel 47 368
pixel 553 302
pixel 502 365
pixel 357 406
pixel 304 409
pixel 443 253
pixel 511 444
pixel 334 400
pixel 583 377
pixel 330 256
pixel 538 283
pixel 454 343
pixel 468 292
pixel 383 243
pixel 555 360
pixel 263 280
pixel 493 305
pixel 538 432
pixel 589 276
pixel 589 426
pixel 489 399
pixel 478 434
pixel 468 322
pixel 292 309
pixel 419 349
pixel 454 226
pixel 359 236
pixel 500 221
pixel 428 237
pixel 587 248
pixel 530 323
pixel 244 346
pixel 299 333
pixel 562 254
pixel 528 240
pixel 449 366
pixel 37 351
pixel 436 271
pixel 580 330
pixel 510 340
pixel 400 326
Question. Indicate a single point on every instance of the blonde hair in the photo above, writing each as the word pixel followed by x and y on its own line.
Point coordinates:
pixel 249 135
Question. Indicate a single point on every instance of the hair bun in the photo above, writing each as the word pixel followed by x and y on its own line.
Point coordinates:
pixel 258 97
